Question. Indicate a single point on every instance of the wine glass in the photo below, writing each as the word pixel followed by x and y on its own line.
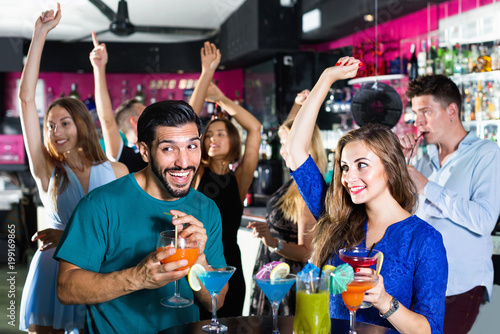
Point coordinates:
pixel 361 257
pixel 185 249
pixel 214 280
pixel 355 293
pixel 275 290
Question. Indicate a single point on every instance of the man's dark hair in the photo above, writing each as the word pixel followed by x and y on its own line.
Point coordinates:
pixel 442 88
pixel 165 113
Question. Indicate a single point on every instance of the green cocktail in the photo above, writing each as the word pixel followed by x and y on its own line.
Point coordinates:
pixel 312 308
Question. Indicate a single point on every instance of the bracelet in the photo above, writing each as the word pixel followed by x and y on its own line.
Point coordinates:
pixel 279 246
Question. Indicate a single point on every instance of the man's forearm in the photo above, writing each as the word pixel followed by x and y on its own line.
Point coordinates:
pixel 79 286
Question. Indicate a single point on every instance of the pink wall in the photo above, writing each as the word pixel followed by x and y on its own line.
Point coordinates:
pixel 391 32
pixel 229 83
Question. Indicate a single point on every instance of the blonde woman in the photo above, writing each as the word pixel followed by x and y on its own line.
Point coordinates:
pixel 66 165
pixel 286 233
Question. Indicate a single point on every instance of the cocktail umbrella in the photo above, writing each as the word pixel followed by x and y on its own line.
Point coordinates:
pixel 340 277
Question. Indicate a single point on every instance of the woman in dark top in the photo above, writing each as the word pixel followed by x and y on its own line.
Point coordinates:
pixel 286 235
pixel 227 186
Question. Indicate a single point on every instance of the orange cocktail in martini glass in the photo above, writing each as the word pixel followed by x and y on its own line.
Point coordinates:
pixel 355 293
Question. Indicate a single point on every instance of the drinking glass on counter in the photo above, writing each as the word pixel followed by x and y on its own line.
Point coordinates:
pixel 312 308
pixel 185 249
pixel 214 280
pixel 275 290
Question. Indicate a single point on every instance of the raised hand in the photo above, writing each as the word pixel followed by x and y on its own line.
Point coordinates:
pixel 214 94
pixel 302 96
pixel 210 57
pixel 99 55
pixel 346 67
pixel 48 20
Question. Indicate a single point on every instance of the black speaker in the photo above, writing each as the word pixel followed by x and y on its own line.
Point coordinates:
pixel 257 30
pixel 12 54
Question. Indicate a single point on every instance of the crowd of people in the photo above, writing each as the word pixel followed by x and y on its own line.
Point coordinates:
pixel 98 271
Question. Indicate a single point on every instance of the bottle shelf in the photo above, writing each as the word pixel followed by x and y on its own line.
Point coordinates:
pixel 476 76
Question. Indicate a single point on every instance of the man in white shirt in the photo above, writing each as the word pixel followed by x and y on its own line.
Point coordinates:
pixel 458 180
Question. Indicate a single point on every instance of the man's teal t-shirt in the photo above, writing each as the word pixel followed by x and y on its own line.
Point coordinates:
pixel 116 226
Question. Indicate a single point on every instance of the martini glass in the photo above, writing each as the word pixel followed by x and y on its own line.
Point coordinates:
pixel 355 293
pixel 361 257
pixel 185 249
pixel 214 280
pixel 275 290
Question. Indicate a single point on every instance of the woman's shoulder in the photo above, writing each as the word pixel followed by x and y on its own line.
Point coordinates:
pixel 419 228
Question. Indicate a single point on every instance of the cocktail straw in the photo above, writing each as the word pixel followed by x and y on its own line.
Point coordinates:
pixel 312 282
pixel 175 242
pixel 413 148
pixel 371 249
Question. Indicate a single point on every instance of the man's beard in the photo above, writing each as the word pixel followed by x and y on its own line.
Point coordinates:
pixel 159 175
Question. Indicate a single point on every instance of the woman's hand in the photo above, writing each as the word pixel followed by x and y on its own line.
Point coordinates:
pixel 302 96
pixel 378 296
pixel 99 55
pixel 210 57
pixel 214 94
pixel 49 237
pixel 48 20
pixel 261 230
pixel 346 67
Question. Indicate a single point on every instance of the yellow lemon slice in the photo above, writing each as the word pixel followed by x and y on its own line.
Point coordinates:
pixel 192 276
pixel 328 267
pixel 380 260
pixel 280 271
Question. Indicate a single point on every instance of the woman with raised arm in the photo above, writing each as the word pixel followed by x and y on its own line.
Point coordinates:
pixel 370 204
pixel 286 235
pixel 66 165
pixel 221 148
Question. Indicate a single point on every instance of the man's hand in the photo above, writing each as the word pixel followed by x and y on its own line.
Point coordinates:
pixel 150 273
pixel 99 55
pixel 210 57
pixel 192 228
pixel 408 141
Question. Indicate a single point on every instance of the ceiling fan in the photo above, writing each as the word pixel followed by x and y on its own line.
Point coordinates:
pixel 121 26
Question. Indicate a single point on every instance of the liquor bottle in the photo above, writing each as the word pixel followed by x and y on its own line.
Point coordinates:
pixel 431 59
pixel 50 95
pixel 422 60
pixel 448 61
pixel 74 93
pixel 413 65
pixel 484 61
pixel 125 91
pixel 439 62
pixel 495 59
pixel 472 61
pixel 457 59
pixel 139 95
pixel 478 101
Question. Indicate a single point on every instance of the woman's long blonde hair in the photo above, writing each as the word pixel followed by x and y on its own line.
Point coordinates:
pixel 342 223
pixel 89 148
pixel 291 203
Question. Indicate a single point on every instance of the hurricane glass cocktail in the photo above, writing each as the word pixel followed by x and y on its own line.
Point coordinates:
pixel 275 290
pixel 355 293
pixel 214 280
pixel 185 249
pixel 360 257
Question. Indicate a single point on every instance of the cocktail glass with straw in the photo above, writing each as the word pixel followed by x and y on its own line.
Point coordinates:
pixel 214 280
pixel 185 249
pixel 275 290
pixel 361 257
pixel 355 293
